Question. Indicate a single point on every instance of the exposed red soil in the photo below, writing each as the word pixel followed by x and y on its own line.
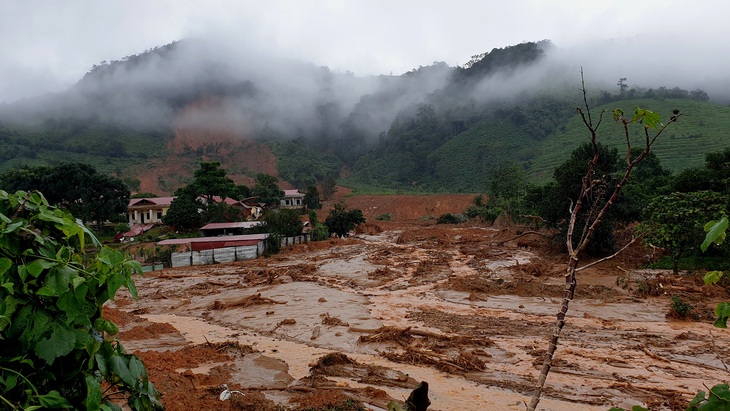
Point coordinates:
pixel 223 139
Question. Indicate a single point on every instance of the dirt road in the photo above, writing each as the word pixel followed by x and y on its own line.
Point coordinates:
pixel 371 316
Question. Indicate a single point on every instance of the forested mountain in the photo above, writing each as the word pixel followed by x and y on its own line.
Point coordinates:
pixel 435 128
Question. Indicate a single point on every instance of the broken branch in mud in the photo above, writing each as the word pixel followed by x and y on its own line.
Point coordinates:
pixel 521 235
pixel 254 299
pixel 288 321
pixel 654 356
pixel 609 257
pixel 386 333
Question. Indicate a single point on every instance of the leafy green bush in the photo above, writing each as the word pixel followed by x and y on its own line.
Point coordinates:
pixel 680 308
pixel 384 217
pixel 484 213
pixel 321 232
pixel 451 218
pixel 55 352
pixel 341 220
pixel 285 222
pixel 273 244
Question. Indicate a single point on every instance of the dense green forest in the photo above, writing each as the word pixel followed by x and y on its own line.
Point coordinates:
pixel 109 149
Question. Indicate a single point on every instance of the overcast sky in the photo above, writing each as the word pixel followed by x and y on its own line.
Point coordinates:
pixel 48 45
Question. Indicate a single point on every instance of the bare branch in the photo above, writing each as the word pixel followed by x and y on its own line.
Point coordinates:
pixel 587 266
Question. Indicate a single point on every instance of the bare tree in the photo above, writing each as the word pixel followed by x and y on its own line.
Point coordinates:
pixel 594 201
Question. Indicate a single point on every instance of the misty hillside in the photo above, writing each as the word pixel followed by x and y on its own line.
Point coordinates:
pixel 435 128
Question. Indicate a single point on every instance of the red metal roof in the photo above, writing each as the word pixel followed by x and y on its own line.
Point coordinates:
pixel 227 200
pixel 137 229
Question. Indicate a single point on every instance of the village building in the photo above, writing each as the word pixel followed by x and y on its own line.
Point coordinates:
pixel 147 210
pixel 292 199
pixel 235 228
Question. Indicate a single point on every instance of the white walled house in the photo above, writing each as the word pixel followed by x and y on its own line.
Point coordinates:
pixel 292 199
pixel 147 210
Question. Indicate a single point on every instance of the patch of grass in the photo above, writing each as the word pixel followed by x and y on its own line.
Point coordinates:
pixel 693 263
pixel 384 217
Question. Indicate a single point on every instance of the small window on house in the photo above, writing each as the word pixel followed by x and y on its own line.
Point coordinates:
pixel 159 215
pixel 299 201
pixel 288 202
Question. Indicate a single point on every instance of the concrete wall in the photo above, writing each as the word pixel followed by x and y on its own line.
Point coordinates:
pixel 218 255
pixel 248 252
pixel 287 241
pixel 224 255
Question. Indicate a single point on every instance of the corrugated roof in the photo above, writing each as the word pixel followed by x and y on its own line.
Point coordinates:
pixel 221 239
pixel 137 229
pixel 227 200
pixel 238 224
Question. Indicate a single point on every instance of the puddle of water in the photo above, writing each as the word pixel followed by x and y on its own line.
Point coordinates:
pixel 307 303
pixel 539 306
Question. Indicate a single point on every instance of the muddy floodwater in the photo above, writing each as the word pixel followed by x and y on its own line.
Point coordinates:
pixel 371 316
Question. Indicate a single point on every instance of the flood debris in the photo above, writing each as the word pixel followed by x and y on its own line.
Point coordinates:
pixel 338 364
pixel 399 310
pixel 329 320
pixel 247 301
pixel 227 392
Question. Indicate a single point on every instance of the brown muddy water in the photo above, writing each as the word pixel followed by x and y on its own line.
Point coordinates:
pixel 451 306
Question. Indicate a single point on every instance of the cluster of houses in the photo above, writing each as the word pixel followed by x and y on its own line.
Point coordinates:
pixel 221 242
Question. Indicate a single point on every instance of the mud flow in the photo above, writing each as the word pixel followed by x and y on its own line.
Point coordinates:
pixel 364 320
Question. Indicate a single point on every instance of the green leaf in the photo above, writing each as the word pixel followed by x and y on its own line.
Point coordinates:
pixel 722 312
pixel 4 321
pixel 721 392
pixel 53 400
pixel 648 117
pixel 712 277
pixel 57 281
pixel 13 226
pixel 36 267
pixel 394 406
pixel 110 406
pixel 102 364
pixel 59 343
pixel 697 400
pixel 136 367
pixel 716 232
pixel 10 381
pixel 120 366
pixel 5 264
pixel 93 393
pixel 617 114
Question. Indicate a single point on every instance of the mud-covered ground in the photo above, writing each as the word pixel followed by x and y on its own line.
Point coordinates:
pixel 460 307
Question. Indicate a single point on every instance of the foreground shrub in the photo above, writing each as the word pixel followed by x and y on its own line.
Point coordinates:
pixel 55 350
